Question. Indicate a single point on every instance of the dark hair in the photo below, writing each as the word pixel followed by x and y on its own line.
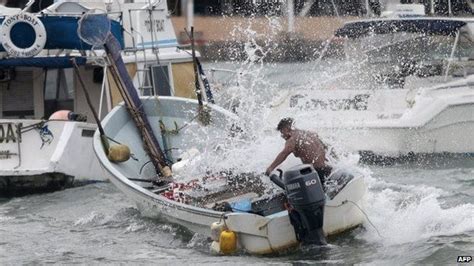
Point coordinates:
pixel 286 122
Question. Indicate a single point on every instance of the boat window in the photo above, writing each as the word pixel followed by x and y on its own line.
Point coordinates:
pixel 59 84
pixel 401 54
pixel 17 94
pixel 58 91
pixel 404 46
pixel 465 47
pixel 160 78
pixel 51 84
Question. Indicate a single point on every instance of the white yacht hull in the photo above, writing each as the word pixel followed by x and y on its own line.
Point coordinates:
pixel 30 162
pixel 436 122
pixel 444 134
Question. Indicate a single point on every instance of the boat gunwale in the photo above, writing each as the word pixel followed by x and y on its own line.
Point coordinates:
pixel 117 175
pixel 145 194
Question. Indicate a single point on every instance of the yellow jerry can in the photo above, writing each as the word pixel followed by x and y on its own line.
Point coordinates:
pixel 228 242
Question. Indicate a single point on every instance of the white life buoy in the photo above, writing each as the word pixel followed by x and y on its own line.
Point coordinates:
pixel 35 23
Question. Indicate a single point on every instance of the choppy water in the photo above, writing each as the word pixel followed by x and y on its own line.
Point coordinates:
pixel 420 214
pixel 423 216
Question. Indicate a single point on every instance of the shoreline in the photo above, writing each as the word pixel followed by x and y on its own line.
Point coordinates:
pixel 229 38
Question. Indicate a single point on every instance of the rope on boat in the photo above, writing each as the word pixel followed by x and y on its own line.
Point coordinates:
pixel 33 126
pixel 365 214
pixel 203 111
pixel 39 125
pixel 165 132
pixel 177 129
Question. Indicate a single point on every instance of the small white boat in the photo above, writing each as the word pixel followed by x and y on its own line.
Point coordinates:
pixel 38 153
pixel 264 227
pixel 407 90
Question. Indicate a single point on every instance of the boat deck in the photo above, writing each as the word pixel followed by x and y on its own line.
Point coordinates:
pixel 238 193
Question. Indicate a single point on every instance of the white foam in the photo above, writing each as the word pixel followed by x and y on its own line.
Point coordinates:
pixel 92 218
pixel 404 214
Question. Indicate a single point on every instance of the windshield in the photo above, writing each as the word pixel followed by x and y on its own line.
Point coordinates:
pixel 391 57
pixel 405 46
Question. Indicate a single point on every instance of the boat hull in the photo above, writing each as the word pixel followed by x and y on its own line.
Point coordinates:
pixel 27 184
pixel 383 123
pixel 45 156
pixel 257 234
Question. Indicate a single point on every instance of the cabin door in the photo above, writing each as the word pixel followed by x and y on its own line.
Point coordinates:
pixel 58 91
pixel 159 79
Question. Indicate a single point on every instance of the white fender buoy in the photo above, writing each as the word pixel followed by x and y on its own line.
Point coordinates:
pixel 35 23
pixel 185 158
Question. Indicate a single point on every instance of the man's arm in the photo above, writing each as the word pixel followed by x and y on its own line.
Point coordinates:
pixel 289 148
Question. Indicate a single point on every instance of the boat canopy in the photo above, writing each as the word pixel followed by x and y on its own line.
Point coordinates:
pixel 421 25
pixel 61 32
pixel 43 62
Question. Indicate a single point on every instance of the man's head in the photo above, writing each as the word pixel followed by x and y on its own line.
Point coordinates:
pixel 285 126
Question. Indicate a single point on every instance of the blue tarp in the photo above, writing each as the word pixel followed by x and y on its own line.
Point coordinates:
pixel 61 33
pixel 43 62
pixel 421 25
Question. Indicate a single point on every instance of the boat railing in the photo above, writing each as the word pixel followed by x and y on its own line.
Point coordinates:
pixel 134 50
pixel 115 15
pixel 151 17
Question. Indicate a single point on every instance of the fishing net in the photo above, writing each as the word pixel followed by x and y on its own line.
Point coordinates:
pixel 94 28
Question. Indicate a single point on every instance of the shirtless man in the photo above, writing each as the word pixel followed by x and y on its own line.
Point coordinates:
pixel 303 144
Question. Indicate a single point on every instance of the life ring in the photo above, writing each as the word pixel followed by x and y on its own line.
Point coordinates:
pixel 35 23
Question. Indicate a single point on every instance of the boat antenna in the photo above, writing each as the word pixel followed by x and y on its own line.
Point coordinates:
pixel 28 5
pixel 204 115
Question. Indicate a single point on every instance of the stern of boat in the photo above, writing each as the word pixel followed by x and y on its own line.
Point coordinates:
pixel 44 155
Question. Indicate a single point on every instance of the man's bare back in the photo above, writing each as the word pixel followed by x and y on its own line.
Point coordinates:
pixel 303 144
pixel 308 147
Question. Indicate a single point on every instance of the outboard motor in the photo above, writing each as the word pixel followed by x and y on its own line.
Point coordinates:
pixel 306 200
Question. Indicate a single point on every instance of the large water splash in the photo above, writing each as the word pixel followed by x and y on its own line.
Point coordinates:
pixel 401 213
pixel 250 92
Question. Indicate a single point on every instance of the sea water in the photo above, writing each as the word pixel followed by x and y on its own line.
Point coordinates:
pixel 418 214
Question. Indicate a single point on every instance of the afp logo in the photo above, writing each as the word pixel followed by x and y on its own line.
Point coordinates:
pixel 464 259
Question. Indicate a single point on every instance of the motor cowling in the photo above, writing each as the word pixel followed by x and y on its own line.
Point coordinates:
pixel 306 200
